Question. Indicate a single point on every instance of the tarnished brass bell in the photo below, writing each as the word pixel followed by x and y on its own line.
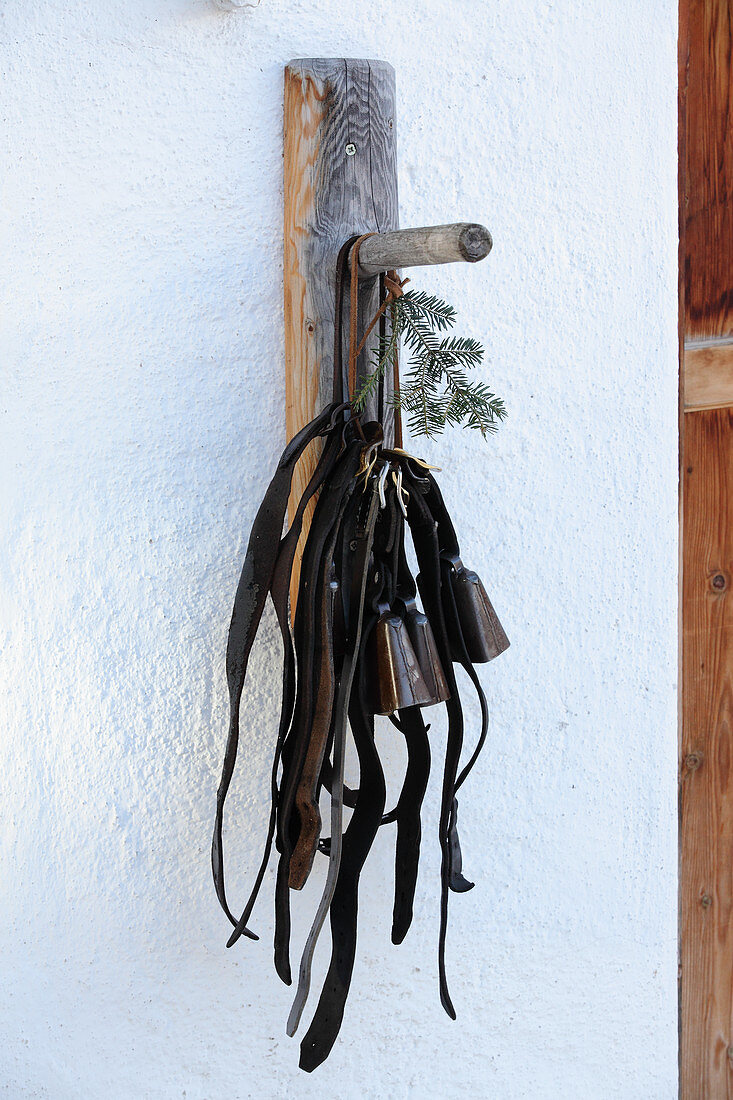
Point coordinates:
pixel 482 632
pixel 399 679
pixel 426 651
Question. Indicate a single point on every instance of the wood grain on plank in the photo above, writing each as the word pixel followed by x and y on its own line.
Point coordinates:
pixel 706 781
pixel 708 375
pixel 331 105
pixel 708 196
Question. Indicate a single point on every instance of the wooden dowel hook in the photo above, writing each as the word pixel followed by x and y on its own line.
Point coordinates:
pixel 462 242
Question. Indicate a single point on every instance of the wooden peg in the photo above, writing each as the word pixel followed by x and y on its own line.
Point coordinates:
pixel 462 242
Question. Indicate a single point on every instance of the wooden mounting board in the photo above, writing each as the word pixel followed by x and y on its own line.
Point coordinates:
pixel 340 179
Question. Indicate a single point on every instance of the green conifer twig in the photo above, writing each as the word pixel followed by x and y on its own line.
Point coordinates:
pixel 436 390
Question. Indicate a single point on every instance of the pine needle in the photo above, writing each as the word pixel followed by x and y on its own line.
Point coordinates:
pixel 436 390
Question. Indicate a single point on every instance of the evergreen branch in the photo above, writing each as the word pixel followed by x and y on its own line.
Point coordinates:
pixel 430 309
pixel 384 354
pixel 436 390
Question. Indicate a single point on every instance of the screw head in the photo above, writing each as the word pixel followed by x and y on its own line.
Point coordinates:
pixel 350 149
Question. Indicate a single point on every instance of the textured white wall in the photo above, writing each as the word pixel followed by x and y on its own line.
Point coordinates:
pixel 142 410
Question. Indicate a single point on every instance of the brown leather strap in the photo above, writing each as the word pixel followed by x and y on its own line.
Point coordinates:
pixel 306 795
pixel 393 288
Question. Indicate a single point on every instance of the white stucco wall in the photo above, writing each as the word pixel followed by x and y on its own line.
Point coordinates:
pixel 142 410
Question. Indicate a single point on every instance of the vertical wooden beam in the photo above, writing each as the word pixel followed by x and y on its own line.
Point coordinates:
pixel 706 783
pixel 340 179
pixel 709 172
pixel 682 60
pixel 706 737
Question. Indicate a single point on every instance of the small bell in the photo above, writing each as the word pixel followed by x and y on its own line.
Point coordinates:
pixel 426 651
pixel 483 634
pixel 399 679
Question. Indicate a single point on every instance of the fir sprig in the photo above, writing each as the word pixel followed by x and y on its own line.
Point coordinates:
pixel 436 390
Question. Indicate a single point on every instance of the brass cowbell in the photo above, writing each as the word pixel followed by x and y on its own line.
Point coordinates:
pixel 426 651
pixel 483 634
pixel 399 679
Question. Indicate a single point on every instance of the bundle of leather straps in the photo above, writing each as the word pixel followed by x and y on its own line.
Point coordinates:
pixel 360 645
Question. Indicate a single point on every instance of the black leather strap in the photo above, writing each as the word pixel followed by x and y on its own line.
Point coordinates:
pixel 424 533
pixel 449 549
pixel 365 513
pixel 407 815
pixel 331 506
pixel 341 379
pixel 279 592
pixel 360 833
pixel 249 602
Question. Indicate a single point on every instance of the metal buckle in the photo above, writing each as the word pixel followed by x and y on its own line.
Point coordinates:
pixel 383 473
pixel 368 460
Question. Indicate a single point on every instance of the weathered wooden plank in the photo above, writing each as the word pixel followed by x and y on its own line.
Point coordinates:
pixel 708 198
pixel 706 323
pixel 340 179
pixel 708 375
pixel 461 242
pixel 706 786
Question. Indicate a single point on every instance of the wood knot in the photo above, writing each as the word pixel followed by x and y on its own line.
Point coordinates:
pixel 693 760
pixel 719 582
pixel 706 901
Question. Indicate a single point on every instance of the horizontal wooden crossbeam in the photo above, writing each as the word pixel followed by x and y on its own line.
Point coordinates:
pixel 708 374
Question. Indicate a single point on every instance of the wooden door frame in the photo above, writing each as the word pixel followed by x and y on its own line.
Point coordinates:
pixel 682 71
pixel 705 184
